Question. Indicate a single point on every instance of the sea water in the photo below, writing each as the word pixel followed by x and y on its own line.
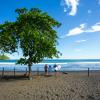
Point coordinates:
pixel 67 64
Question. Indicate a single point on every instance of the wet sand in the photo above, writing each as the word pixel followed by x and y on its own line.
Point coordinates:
pixel 71 86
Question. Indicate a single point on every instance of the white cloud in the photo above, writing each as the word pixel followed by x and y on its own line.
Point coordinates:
pixel 80 41
pixel 83 25
pixel 94 28
pixel 83 29
pixel 71 4
pixel 77 30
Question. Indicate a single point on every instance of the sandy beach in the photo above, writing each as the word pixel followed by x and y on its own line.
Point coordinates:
pixel 71 86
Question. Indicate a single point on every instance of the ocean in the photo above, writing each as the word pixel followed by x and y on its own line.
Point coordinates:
pixel 66 65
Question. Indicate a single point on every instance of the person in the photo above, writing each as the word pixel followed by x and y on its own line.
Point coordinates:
pixel 59 67
pixel 46 69
pixel 50 68
pixel 55 67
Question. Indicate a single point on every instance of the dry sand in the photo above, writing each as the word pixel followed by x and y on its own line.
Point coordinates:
pixel 71 86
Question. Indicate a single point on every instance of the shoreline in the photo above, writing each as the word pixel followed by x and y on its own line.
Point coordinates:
pixel 36 73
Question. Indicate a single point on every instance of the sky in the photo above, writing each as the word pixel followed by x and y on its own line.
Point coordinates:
pixel 79 34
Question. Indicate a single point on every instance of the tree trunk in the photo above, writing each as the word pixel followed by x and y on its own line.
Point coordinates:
pixel 29 74
pixel 30 66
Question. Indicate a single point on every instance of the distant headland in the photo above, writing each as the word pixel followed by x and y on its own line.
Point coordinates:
pixel 4 57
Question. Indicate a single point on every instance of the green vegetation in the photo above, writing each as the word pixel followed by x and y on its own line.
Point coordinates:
pixel 33 32
pixel 4 57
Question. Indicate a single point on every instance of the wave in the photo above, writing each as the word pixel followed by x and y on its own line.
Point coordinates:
pixel 12 63
pixel 85 62
pixel 3 63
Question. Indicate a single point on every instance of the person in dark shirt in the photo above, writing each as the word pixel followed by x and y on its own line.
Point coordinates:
pixel 46 69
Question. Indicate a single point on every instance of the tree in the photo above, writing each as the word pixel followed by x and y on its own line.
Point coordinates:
pixel 33 32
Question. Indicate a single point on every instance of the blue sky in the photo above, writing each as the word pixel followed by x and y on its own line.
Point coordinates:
pixel 80 30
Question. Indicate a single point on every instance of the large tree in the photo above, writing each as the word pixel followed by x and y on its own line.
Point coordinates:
pixel 33 32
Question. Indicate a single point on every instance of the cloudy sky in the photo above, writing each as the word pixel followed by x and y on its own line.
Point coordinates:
pixel 79 35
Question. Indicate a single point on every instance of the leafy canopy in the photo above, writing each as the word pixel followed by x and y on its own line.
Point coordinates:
pixel 33 32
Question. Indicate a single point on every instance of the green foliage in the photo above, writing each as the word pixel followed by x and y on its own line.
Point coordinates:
pixel 33 32
pixel 4 57
pixel 8 41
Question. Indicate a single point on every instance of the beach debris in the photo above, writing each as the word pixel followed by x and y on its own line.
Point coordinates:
pixel 64 72
pixel 56 94
pixel 90 97
pixel 72 90
pixel 81 96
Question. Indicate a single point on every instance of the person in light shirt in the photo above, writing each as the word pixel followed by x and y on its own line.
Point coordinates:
pixel 57 68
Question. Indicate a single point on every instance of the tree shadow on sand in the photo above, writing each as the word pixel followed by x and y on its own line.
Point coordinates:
pixel 13 78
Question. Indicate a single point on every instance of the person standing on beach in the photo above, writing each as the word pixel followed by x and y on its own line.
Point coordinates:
pixel 50 68
pixel 46 69
pixel 59 67
pixel 55 67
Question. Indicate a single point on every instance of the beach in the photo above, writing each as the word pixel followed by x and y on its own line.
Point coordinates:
pixel 63 86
